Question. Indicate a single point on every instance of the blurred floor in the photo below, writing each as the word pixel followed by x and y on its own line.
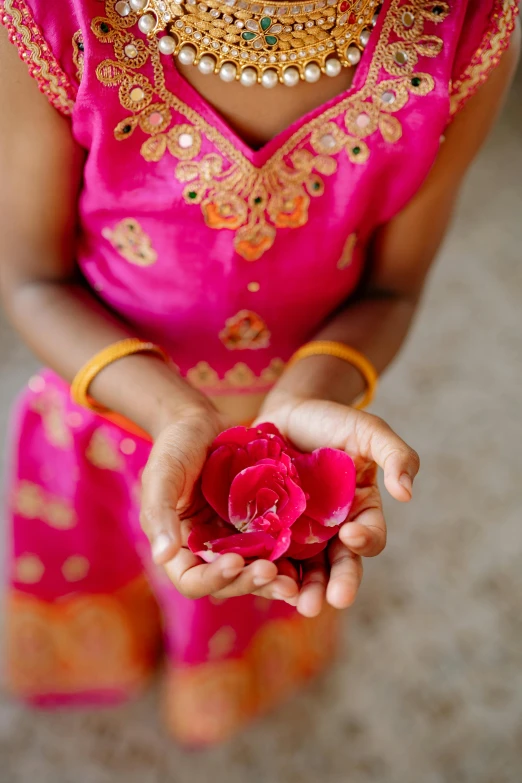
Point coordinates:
pixel 430 688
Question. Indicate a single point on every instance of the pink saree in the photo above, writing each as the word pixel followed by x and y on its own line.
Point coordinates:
pixel 230 258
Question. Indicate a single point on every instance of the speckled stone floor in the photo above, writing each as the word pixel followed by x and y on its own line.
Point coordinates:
pixel 430 687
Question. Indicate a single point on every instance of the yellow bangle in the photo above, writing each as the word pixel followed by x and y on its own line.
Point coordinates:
pixel 84 378
pixel 347 354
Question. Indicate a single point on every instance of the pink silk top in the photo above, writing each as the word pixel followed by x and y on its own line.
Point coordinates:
pixel 231 258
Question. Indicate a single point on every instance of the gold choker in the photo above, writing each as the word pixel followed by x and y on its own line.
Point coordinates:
pixel 251 42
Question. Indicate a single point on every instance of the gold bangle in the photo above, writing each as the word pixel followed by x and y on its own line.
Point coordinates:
pixel 87 374
pixel 347 354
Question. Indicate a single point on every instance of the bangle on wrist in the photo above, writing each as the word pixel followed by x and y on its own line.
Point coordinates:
pixel 347 354
pixel 84 378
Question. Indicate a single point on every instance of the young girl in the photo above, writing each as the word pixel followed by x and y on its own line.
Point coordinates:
pixel 240 184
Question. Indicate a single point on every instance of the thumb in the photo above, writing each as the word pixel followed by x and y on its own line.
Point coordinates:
pixel 173 467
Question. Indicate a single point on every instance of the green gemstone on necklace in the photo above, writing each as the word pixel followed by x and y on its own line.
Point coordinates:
pixel 265 23
pixel 271 40
pixel 248 36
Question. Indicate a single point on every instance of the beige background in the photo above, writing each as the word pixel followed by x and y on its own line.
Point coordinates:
pixel 430 687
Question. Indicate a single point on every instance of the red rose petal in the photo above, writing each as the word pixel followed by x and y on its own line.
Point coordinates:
pixel 202 534
pixel 220 470
pixel 281 545
pixel 308 531
pixel 248 545
pixel 328 477
pixel 305 551
pixel 246 485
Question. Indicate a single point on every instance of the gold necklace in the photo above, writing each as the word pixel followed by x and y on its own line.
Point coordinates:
pixel 251 42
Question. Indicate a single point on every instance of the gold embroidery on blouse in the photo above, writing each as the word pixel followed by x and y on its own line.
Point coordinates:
pixel 233 193
pixel 203 376
pixel 245 331
pixel 78 54
pixel 487 56
pixel 131 242
pixel 41 62
pixel 75 568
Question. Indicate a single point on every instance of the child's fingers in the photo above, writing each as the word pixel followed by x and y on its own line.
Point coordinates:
pixel 252 577
pixel 313 590
pixel 365 533
pixel 195 579
pixel 400 463
pixel 345 575
pixel 282 588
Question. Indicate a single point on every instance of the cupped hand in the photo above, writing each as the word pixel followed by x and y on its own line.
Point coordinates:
pixel 335 576
pixel 170 499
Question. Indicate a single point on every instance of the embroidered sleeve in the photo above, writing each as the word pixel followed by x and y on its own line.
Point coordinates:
pixel 493 41
pixel 39 41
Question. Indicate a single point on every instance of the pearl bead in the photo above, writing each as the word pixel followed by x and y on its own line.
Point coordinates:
pixel 147 23
pixel 290 77
pixel 138 5
pixel 312 72
pixel 207 64
pixel 332 67
pixel 248 77
pixel 187 55
pixel 353 55
pixel 364 38
pixel 123 8
pixel 228 72
pixel 269 78
pixel 167 44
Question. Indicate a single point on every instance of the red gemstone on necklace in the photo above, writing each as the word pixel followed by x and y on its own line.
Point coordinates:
pixel 343 7
pixel 352 19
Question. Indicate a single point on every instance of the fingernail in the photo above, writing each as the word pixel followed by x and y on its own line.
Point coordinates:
pixel 259 581
pixel 406 482
pixel 161 544
pixel 231 573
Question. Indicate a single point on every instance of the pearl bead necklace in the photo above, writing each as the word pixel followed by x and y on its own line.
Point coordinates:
pixel 263 42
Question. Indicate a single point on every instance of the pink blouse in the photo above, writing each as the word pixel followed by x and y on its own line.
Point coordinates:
pixel 231 258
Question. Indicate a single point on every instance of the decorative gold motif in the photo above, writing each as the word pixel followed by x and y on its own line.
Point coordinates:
pixel 50 406
pixel 254 202
pixel 245 331
pixel 75 568
pixel 131 242
pixel 32 502
pixel 347 254
pixel 244 34
pixel 29 569
pixel 78 54
pixel 33 49
pixel 486 58
pixel 202 376
pixel 103 453
pixel 222 643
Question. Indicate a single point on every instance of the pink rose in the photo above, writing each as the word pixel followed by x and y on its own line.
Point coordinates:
pixel 270 499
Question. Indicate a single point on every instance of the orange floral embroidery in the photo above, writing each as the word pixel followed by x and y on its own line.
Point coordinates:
pixel 240 376
pixel 245 331
pixel 131 242
pixel 222 214
pixel 252 242
pixel 82 643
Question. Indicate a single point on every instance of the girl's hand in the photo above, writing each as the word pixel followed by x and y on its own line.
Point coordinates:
pixel 311 424
pixel 169 500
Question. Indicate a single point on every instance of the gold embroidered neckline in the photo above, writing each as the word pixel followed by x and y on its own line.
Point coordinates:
pixel 255 201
